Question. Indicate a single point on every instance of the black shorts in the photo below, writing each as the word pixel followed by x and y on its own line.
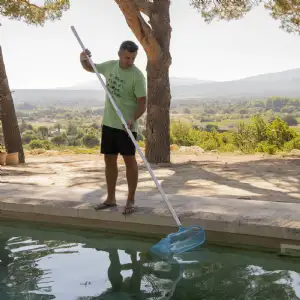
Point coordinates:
pixel 117 141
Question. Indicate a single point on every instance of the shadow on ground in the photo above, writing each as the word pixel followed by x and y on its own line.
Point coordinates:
pixel 269 179
pixel 255 177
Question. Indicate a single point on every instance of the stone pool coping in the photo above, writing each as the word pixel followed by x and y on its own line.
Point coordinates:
pixel 236 222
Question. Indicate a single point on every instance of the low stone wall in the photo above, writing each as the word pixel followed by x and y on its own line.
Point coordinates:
pixel 234 230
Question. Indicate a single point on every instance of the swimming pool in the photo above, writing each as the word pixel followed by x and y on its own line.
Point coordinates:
pixel 51 263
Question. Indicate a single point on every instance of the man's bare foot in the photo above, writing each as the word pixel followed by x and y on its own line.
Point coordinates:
pixel 129 208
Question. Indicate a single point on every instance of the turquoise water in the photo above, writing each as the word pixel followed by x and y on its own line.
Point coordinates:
pixel 48 263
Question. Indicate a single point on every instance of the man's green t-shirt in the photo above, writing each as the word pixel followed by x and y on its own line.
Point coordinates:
pixel 125 86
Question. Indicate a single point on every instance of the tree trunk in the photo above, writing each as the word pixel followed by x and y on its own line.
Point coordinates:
pixel 159 93
pixel 158 113
pixel 155 40
pixel 11 132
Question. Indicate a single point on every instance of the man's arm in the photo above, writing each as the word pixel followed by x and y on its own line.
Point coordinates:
pixel 102 68
pixel 141 108
pixel 140 93
pixel 87 66
pixel 85 62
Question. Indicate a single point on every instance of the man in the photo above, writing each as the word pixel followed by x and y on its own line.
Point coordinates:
pixel 127 85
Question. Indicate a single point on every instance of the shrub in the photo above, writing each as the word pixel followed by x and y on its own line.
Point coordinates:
pixel 244 138
pixel 181 133
pixel 59 140
pixel 30 135
pixel 290 120
pixel 209 145
pixel 259 128
pixel 90 140
pixel 293 144
pixel 278 133
pixel 265 147
pixel 141 144
pixel 39 144
pixel 73 141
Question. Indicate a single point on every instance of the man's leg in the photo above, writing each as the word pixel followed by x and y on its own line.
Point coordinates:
pixel 110 150
pixel 111 174
pixel 127 150
pixel 132 181
pixel 114 271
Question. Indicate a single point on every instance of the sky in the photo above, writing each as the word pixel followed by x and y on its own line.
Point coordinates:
pixel 48 56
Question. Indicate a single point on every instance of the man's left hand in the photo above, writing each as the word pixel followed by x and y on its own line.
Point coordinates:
pixel 130 124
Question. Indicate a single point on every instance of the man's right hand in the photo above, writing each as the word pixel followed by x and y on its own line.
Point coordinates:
pixel 85 54
pixel 84 60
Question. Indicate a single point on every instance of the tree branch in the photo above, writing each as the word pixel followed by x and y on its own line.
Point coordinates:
pixel 140 28
pixel 145 6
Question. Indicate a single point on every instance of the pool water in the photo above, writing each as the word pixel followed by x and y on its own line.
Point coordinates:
pixel 50 263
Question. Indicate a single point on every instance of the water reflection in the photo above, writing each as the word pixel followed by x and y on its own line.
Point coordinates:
pixel 143 278
pixel 53 269
pixel 56 265
pixel 131 284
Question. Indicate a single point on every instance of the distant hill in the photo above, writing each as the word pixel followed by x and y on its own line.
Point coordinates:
pixel 90 94
pixel 286 83
pixel 174 81
pixel 177 81
pixel 56 98
pixel 290 75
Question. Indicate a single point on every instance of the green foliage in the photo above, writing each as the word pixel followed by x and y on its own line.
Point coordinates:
pixel 211 127
pixel 43 130
pixel 24 126
pixel 229 113
pixel 286 11
pixel 32 13
pixel 278 133
pixel 59 140
pixel 36 144
pixel 2 148
pixel 290 120
pixel 259 128
pixel 72 128
pixel 265 147
pixel 141 144
pixel 262 137
pixel 183 134
pixel 40 144
pixel 257 136
pixel 264 128
pixel 293 144
pixel 74 141
pixel 30 135
pixel 90 140
pixel 223 10
pixel 245 138
pixel 57 126
pixel 249 136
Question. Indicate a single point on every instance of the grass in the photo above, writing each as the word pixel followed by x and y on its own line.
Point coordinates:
pixel 297 128
pixel 65 150
pixel 38 124
pixel 228 122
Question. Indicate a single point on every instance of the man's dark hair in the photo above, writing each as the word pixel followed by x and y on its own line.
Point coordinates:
pixel 129 46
